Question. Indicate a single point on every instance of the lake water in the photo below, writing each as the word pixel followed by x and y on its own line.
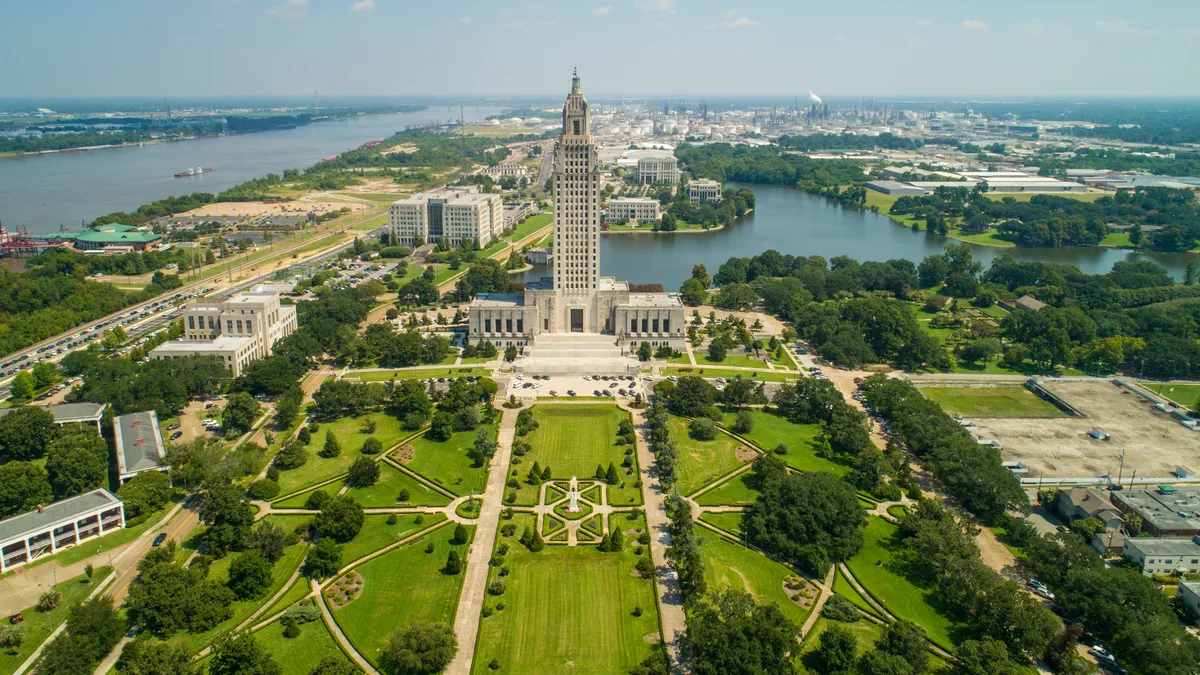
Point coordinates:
pixel 42 192
pixel 797 223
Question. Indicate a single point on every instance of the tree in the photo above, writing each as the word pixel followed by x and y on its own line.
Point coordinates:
pixel 22 386
pixel 837 652
pixel 147 656
pixel 454 564
pixel 693 292
pixel 983 657
pixel 372 446
pixel 269 540
pixel 332 447
pixel 419 648
pixel 26 431
pixel 240 654
pixel 77 463
pixel 717 351
pixel 333 665
pixel 483 448
pixel 44 374
pixel 249 575
pixel 810 519
pixel 510 353
pixel 363 472
pixel 341 518
pixel 616 541
pixel 906 641
pixel 702 429
pixel 240 412
pixel 744 422
pixel 644 352
pixel 229 516
pixel 170 599
pixel 1190 274
pixel 145 492
pixel 611 476
pixel 324 559
pixel 23 485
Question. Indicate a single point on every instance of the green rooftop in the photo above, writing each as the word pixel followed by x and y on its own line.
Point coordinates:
pixel 123 237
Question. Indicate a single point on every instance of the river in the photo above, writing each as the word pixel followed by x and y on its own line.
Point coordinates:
pixel 797 223
pixel 43 192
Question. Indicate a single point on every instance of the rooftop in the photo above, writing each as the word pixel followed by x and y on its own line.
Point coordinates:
pixel 499 300
pixel 652 300
pixel 1165 510
pixel 139 442
pixel 65 413
pixel 189 346
pixel 113 237
pixel 49 515
pixel 1156 546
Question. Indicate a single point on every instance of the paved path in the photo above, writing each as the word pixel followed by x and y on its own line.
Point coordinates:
pixel 826 589
pixel 474 592
pixel 337 633
pixel 666 582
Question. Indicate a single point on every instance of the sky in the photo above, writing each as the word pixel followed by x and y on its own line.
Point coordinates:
pixel 1022 48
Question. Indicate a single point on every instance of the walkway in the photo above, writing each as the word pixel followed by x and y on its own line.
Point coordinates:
pixel 474 592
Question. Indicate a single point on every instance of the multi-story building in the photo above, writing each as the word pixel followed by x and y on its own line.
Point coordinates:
pixel 632 210
pixel 577 299
pixel 1166 511
pixel 1173 556
pixel 238 330
pixel 455 215
pixel 508 169
pixel 59 525
pixel 657 170
pixel 704 190
pixel 139 444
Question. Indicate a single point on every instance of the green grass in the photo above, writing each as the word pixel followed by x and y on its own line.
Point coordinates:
pixel 737 491
pixel 568 609
pixel 532 224
pixel 38 625
pixel 681 359
pixel 865 632
pixel 731 522
pixel 730 361
pixel 348 431
pixel 104 543
pixel 572 440
pixel 889 585
pixel 299 655
pixel 405 584
pixel 701 462
pixel 733 565
pixel 1116 239
pixel 1001 401
pixel 844 589
pixel 897 511
pixel 376 533
pixel 708 372
pixel 422 373
pixel 386 491
pixel 1186 395
pixel 770 430
pixel 446 463
pixel 297 502
pixel 295 592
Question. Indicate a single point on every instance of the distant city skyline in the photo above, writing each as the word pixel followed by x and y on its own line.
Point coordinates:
pixel 631 48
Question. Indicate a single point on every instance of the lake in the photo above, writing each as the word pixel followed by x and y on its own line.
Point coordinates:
pixel 797 223
pixel 43 192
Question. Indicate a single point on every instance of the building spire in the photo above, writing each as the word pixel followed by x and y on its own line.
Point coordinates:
pixel 575 79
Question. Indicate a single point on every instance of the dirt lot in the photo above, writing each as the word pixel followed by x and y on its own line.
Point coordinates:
pixel 1060 447
pixel 259 209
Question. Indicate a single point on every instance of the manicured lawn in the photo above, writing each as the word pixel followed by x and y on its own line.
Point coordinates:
pixel 297 502
pixel 572 440
pixel 730 564
pixel 1116 239
pixel 682 358
pixel 422 373
pixel 376 533
pixel 1015 401
pixel 737 491
pixel 891 588
pixel 763 375
pixel 1186 395
pixel 348 431
pixel 386 491
pixel 405 584
pixel 38 626
pixel 864 631
pixel 731 360
pixel 107 542
pixel 295 592
pixel 447 464
pixel 568 610
pixel 770 430
pixel 532 224
pixel 701 462
pixel 731 522
pixel 843 588
pixel 299 655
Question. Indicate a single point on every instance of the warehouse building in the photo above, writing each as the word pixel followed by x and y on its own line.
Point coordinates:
pixel 56 526
pixel 1166 511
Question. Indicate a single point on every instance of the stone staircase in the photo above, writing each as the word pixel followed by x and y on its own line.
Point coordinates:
pixel 583 353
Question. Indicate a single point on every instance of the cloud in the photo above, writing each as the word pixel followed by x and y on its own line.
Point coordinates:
pixel 1035 27
pixel 667 6
pixel 731 23
pixel 924 23
pixel 363 5
pixel 601 11
pixel 464 20
pixel 972 24
pixel 289 9
pixel 1116 24
pixel 731 13
pixel 660 24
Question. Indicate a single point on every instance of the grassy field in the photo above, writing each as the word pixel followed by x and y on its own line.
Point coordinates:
pixel 386 491
pixel 39 625
pixel 737 491
pixel 297 502
pixel 1116 239
pixel 843 588
pixel 708 372
pixel 1015 401
pixel 888 584
pixel 568 609
pixel 406 584
pixel 423 373
pixel 1187 395
pixel 770 430
pixel 348 431
pixel 295 592
pixel 731 522
pixel 701 462
pixel 376 533
pixel 447 464
pixel 729 564
pixel 572 440
pixel 532 224
pixel 299 655
pixel 730 361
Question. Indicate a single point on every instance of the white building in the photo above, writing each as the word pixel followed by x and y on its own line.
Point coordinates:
pixel 657 170
pixel 72 413
pixel 59 525
pixel 1164 555
pixel 509 169
pixel 139 445
pixel 704 190
pixel 632 210
pixel 238 330
pixel 456 215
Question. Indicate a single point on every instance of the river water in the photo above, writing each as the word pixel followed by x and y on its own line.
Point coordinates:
pixel 46 191
pixel 797 223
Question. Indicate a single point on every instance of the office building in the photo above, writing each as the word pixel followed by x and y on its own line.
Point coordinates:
pixel 1166 511
pixel 238 330
pixel 657 170
pixel 453 215
pixel 139 445
pixel 72 413
pixel 47 529
pixel 632 210
pixel 704 190
pixel 1164 555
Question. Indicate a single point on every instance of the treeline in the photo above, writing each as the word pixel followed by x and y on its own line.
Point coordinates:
pixel 724 162
pixel 162 385
pixel 678 208
pixel 60 141
pixel 1116 160
pixel 811 142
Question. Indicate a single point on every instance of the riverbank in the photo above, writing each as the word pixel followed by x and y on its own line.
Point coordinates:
pixel 681 228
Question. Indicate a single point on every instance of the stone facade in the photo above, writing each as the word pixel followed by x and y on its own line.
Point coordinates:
pixel 632 210
pixel 657 170
pixel 704 190
pixel 456 215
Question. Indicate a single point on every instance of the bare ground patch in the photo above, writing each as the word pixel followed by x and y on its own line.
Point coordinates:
pixel 745 454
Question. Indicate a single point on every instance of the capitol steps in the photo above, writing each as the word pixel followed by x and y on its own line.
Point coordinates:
pixel 575 353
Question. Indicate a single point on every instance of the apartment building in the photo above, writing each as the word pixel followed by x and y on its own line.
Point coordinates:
pixel 50 528
pixel 455 215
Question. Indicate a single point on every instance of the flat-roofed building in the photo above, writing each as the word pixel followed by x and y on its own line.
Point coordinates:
pixel 238 330
pixel 632 210
pixel 704 190
pixel 453 215
pixel 72 413
pixel 891 187
pixel 657 170
pixel 1166 511
pixel 1164 555
pixel 139 444
pixel 1189 595
pixel 62 524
